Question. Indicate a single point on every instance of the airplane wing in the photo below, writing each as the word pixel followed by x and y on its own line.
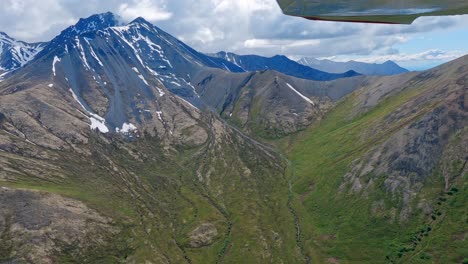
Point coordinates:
pixel 372 11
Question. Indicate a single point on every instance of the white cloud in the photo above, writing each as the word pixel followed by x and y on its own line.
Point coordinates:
pixel 258 43
pixel 206 35
pixel 412 61
pixel 428 55
pixel 242 6
pixel 150 10
pixel 25 19
pixel 15 5
pixel 283 44
pixel 242 26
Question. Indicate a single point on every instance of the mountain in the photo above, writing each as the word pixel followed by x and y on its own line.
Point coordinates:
pixel 15 54
pixel 268 103
pixel 385 172
pixel 102 51
pixel 281 64
pixel 152 51
pixel 117 76
pixel 105 157
pixel 121 144
pixel 386 68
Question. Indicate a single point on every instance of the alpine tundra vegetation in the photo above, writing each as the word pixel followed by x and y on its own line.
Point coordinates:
pixel 121 144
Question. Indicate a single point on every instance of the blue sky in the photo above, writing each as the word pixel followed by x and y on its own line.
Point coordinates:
pixel 426 49
pixel 253 27
pixel 421 50
pixel 452 40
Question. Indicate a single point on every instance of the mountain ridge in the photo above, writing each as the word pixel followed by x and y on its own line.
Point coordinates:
pixel 147 55
pixel 153 54
pixel 15 54
pixel 376 69
pixel 396 149
pixel 282 64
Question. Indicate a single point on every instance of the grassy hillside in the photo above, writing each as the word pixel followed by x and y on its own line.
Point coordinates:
pixel 381 178
pixel 342 226
pixel 160 200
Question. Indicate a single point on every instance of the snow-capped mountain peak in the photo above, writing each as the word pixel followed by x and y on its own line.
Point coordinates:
pixel 116 73
pixel 15 54
pixel 84 26
pixel 141 20
pixel 92 23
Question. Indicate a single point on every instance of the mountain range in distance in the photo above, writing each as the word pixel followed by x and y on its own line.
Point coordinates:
pixel 121 144
pixel 317 69
pixel 15 54
pixel 382 69
pixel 281 64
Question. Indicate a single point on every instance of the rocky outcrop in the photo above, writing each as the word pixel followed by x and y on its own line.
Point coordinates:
pixel 417 134
pixel 36 227
pixel 203 235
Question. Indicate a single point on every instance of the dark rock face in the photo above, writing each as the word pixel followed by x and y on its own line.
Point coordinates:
pixel 429 123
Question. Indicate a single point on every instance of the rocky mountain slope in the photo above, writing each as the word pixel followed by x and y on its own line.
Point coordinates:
pixel 91 138
pixel 14 54
pixel 386 68
pixel 281 64
pixel 270 104
pixel 386 170
pixel 85 61
pixel 120 144
pixel 117 78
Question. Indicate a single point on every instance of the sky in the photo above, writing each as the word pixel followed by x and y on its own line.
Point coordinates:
pixel 253 27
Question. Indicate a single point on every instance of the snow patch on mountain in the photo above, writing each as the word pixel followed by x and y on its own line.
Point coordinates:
pixel 90 24
pixel 161 92
pixel 56 59
pixel 301 95
pixel 126 128
pixel 120 31
pixel 176 83
pixel 187 102
pixel 143 79
pixel 97 122
pixel 159 113
pixel 82 53
pixel 91 50
pixel 2 75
